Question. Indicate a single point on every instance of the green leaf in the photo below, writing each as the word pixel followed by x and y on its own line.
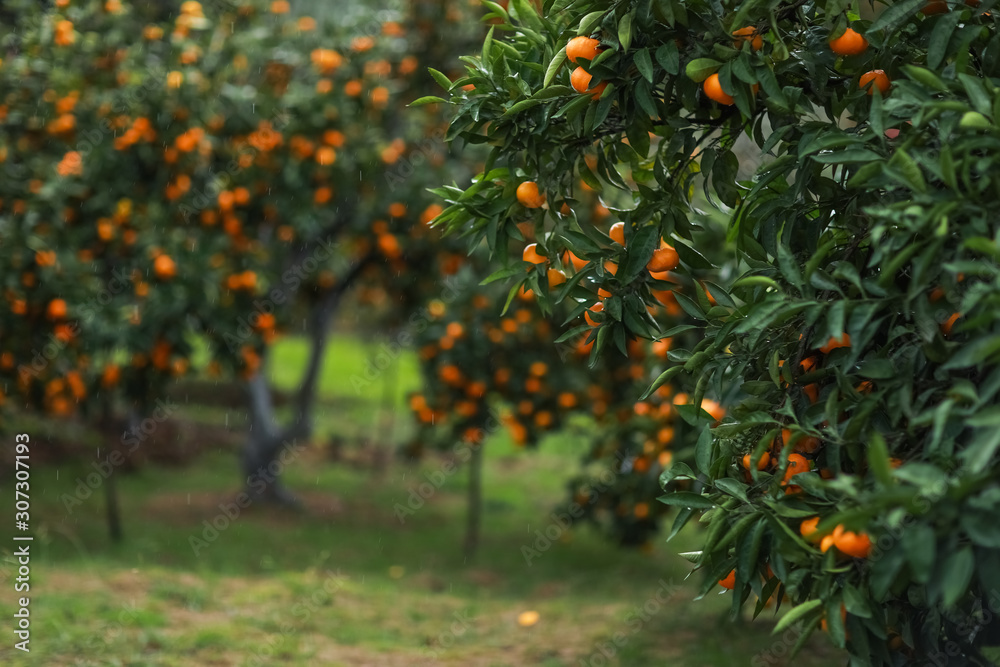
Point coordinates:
pixel 553 68
pixel 700 69
pixel 704 450
pixel 876 369
pixel 733 487
pixel 588 22
pixel 896 15
pixel 938 44
pixel 501 274
pixel 758 281
pixel 919 544
pixel 956 574
pixel 625 31
pixel 639 251
pixel 441 79
pixel 661 380
pixel 908 170
pixel 427 99
pixel 849 156
pixel 686 499
pixel 797 613
pixel 668 57
pixel 644 64
pixel 510 296
pixel 979 453
pixel 925 77
pixel 974 352
pixel 878 459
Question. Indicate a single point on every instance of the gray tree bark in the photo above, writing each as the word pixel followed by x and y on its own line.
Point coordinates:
pixel 271 445
pixel 475 501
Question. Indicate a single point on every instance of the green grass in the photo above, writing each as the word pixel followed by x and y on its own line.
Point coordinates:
pixel 345 583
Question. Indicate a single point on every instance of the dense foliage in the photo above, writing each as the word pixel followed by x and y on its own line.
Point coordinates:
pixel 198 174
pixel 853 334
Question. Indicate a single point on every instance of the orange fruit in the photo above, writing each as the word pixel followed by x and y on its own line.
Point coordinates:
pixel 664 258
pixel 934 7
pixel 796 464
pixel 596 308
pixel 617 233
pixel 808 529
pixel 531 255
pixel 762 464
pixel 582 47
pixel 713 89
pixel 856 545
pixel 580 80
pixel 110 376
pixel 556 278
pixel 713 408
pixel 529 196
pixel 881 81
pixel 851 43
pixel 56 309
pixel 834 343
pixel 947 325
pixel 729 581
pixel 164 267
pixel 807 444
pixel 577 262
pixel 748 34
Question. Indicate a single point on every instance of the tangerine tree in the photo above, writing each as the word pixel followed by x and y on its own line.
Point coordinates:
pixel 852 335
pixel 199 184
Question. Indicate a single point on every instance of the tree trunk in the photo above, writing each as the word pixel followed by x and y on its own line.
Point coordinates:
pixel 112 507
pixel 262 460
pixel 261 456
pixel 475 501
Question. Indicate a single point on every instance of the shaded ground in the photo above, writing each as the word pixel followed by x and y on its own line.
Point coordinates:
pixel 345 582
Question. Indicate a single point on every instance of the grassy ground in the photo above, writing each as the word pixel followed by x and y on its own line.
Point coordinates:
pixel 347 583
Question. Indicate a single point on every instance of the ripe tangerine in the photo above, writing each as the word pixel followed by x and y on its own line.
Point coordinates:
pixel 529 196
pixel 532 255
pixel 749 34
pixel 582 47
pixel 851 43
pixel 617 232
pixel 664 258
pixel 881 81
pixel 713 89
pixel 580 80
